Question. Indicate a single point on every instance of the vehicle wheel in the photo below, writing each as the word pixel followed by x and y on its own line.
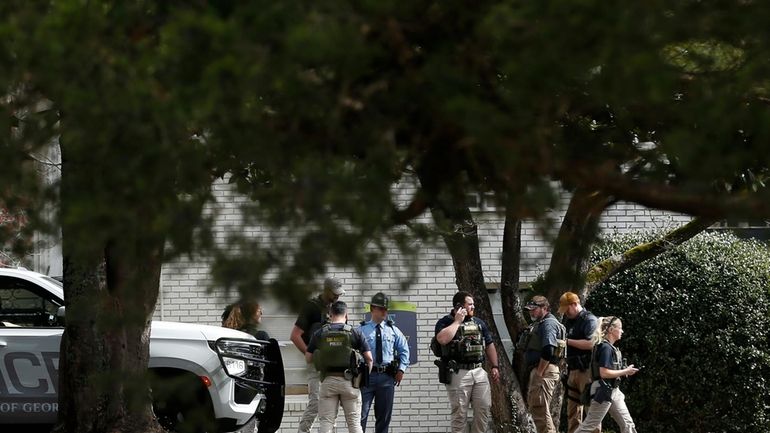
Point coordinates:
pixel 181 402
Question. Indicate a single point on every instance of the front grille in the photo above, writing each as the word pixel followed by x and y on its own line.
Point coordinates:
pixel 244 394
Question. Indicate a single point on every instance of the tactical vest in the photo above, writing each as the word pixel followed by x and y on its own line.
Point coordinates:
pixel 334 349
pixel 467 346
pixel 616 362
pixel 535 342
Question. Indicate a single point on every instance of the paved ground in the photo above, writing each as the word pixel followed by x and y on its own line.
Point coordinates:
pixel 251 427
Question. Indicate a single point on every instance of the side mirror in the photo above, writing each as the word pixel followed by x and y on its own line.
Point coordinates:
pixel 60 314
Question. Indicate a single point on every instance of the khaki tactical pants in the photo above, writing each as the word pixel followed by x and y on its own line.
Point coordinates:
pixel 311 411
pixel 336 391
pixel 470 387
pixel 576 381
pixel 539 397
pixel 617 409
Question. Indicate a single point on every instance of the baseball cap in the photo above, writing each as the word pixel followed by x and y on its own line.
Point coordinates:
pixel 334 286
pixel 536 302
pixel 566 300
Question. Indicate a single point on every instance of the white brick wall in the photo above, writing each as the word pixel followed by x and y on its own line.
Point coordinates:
pixel 421 404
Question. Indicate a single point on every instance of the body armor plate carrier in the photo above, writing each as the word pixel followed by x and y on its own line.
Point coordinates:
pixel 334 349
pixel 467 346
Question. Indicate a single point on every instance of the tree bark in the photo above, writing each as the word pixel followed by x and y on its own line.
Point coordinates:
pixel 104 354
pixel 103 383
pixel 705 202
pixel 514 320
pixel 572 248
pixel 605 269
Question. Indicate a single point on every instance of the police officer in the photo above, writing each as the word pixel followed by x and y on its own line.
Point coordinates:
pixel 607 370
pixel 466 340
pixel 580 324
pixel 314 314
pixel 543 358
pixel 391 358
pixel 330 350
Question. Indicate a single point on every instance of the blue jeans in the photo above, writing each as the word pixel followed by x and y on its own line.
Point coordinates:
pixel 381 389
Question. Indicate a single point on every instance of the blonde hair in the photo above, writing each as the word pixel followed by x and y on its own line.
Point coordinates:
pixel 241 314
pixel 605 324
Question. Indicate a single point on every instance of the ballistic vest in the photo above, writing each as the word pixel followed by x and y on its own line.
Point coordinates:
pixel 535 342
pixel 467 346
pixel 617 361
pixel 334 349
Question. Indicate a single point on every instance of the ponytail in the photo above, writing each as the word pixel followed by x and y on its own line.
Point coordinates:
pixel 605 324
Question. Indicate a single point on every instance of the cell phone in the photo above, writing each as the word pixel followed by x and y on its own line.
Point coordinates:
pixel 457 307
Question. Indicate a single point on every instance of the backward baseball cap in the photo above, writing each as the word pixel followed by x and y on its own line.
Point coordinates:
pixel 536 302
pixel 333 285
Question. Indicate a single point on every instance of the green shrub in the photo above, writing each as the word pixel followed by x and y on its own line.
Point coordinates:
pixel 698 319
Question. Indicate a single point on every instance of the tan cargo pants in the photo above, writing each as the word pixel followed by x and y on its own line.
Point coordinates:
pixel 539 397
pixel 336 391
pixel 470 388
pixel 576 381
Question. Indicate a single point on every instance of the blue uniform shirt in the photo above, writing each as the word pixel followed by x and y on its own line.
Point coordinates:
pixel 392 339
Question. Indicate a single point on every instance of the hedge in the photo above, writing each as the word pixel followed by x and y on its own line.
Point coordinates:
pixel 698 319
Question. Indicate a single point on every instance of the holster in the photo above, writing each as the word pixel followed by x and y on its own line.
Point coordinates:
pixel 392 368
pixel 356 381
pixel 445 370
pixel 360 377
pixel 604 392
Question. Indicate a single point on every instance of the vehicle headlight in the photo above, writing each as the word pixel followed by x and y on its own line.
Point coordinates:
pixel 241 359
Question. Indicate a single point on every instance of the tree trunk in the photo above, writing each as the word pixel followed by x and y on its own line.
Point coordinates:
pixel 103 383
pixel 573 244
pixel 105 351
pixel 514 322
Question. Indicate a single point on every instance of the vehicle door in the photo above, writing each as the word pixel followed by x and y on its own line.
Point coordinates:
pixel 29 352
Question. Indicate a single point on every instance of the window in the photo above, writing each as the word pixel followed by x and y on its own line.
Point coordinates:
pixel 21 304
pixel 481 201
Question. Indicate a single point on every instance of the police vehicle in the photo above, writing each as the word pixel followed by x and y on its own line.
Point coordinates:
pixel 224 374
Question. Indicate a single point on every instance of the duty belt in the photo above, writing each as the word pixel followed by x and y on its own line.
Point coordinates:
pixel 379 369
pixel 468 366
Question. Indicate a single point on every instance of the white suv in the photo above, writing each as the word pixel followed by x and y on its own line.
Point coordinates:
pixel 204 378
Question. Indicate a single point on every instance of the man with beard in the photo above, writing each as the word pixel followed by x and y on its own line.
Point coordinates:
pixel 542 356
pixel 467 342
